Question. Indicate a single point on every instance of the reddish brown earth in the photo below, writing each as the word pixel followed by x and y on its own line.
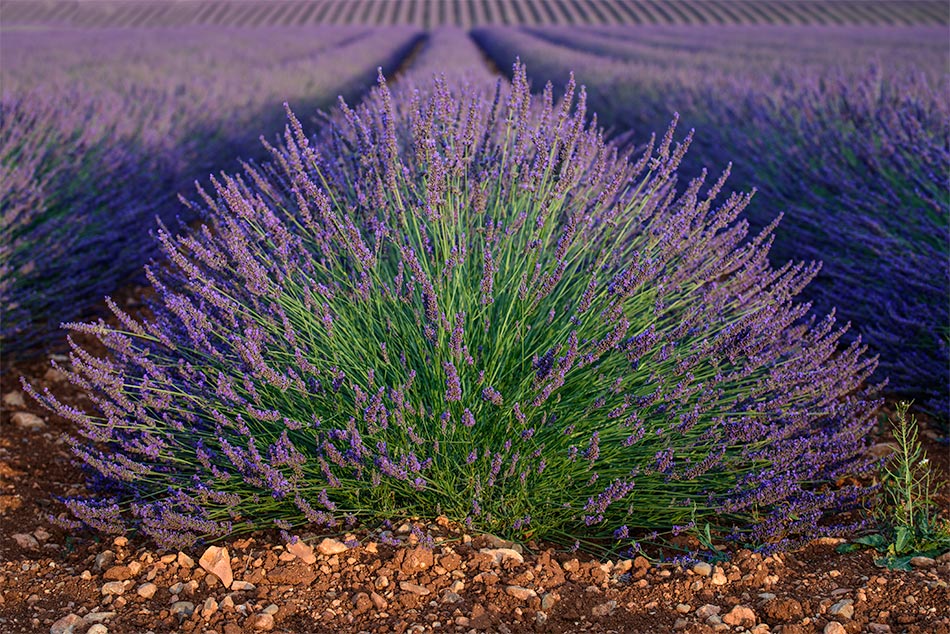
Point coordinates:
pixel 52 581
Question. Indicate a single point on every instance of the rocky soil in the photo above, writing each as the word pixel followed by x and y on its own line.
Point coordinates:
pixel 422 576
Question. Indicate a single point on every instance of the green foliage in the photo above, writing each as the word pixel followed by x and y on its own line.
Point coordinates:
pixel 909 522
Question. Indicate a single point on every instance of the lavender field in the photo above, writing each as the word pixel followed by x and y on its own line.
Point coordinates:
pixel 598 273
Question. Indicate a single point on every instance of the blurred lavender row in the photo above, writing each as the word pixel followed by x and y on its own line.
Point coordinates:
pixel 844 130
pixel 99 131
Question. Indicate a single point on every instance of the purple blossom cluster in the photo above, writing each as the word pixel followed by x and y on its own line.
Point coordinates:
pixel 100 130
pixel 322 349
pixel 844 129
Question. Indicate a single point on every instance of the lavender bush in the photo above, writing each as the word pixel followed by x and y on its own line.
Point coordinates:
pixel 100 130
pixel 857 157
pixel 471 306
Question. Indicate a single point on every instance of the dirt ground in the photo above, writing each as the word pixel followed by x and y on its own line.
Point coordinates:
pixel 391 581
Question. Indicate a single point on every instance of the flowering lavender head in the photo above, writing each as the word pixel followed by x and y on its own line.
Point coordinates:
pixel 638 352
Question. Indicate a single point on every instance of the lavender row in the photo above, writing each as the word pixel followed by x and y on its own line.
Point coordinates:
pixel 466 13
pixel 100 130
pixel 464 303
pixel 857 158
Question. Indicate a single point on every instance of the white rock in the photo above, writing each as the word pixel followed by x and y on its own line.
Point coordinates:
pixel 98 628
pixel 502 555
pixel 331 546
pixel 68 624
pixel 303 551
pixel 14 399
pixel 26 541
pixel 28 421
pixel 147 590
pixel 835 628
pixel 217 562
pixel 520 593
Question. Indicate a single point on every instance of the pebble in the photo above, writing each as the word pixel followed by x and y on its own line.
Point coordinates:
pixel 414 588
pixel 922 562
pixel 99 617
pixel 183 609
pixel 68 624
pixel 843 608
pixel 105 559
pixel 303 551
pixel 113 587
pixel 708 610
pixel 683 608
pixel 604 609
pixel 217 562
pixel 185 561
pixel 25 540
pixel 549 600
pixel 835 628
pixel 331 547
pixel 501 555
pixel 271 609
pixel 702 569
pixel 117 573
pixel 879 628
pixel 260 622
pixel 25 420
pixel 680 624
pixel 245 586
pixel 14 399
pixel 98 628
pixel 209 608
pixel 147 590
pixel 520 593
pixel 719 579
pixel 740 615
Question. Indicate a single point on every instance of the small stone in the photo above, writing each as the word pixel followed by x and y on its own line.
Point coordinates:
pixel 549 600
pixel 14 399
pixel 147 590
pixel 227 603
pixel 451 597
pixel 331 547
pixel 879 628
pixel 680 624
pixel 117 573
pixel 835 628
pixel 683 608
pixel 362 602
pixel 217 562
pixel 303 551
pixel 702 569
pixel 740 615
pixel 113 587
pixel 242 586
pixel 68 624
pixel 105 559
pixel 121 541
pixel 185 561
pixel 521 593
pixel 25 540
pixel 27 421
pixel 260 622
pixel 843 608
pixel 183 609
pixel 604 609
pixel 501 555
pixel 271 609
pixel 99 617
pixel 414 588
pixel 719 579
pixel 378 601
pixel 209 608
pixel 708 610
pixel 98 628
pixel 922 562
